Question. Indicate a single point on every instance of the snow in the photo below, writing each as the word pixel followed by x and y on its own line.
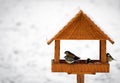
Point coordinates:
pixel 26 25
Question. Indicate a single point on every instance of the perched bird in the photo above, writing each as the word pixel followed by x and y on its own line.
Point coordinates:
pixel 88 60
pixel 70 57
pixel 109 57
pixel 69 60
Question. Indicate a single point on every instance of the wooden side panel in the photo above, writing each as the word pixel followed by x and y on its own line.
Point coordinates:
pixel 103 51
pixel 57 51
pixel 79 68
pixel 80 78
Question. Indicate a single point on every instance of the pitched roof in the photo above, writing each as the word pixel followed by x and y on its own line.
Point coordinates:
pixel 81 27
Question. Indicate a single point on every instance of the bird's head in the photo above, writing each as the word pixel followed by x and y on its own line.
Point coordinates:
pixel 88 59
pixel 67 52
pixel 108 54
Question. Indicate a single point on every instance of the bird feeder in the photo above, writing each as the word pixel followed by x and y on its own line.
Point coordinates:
pixel 81 27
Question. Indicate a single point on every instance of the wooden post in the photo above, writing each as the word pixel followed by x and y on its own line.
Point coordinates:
pixel 80 78
pixel 57 51
pixel 103 51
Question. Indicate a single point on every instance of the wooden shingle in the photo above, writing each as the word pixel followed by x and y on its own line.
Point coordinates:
pixel 81 27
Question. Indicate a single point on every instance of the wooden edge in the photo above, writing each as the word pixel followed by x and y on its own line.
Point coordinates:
pixel 80 61
pixel 48 42
pixel 98 28
pixel 111 41
pixel 57 51
pixel 82 73
pixel 78 14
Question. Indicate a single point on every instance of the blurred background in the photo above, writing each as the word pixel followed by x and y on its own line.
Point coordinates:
pixel 27 25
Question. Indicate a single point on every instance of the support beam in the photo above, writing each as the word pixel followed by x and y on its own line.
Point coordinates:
pixel 103 51
pixel 57 51
pixel 80 78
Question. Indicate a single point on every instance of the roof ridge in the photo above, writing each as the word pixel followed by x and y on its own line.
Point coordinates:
pixel 81 27
pixel 70 22
pixel 98 28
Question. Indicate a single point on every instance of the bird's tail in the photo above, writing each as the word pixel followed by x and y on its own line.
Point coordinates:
pixel 116 60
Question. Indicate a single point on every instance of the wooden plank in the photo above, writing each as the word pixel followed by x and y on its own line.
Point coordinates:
pixel 57 51
pixel 103 51
pixel 80 78
pixel 78 68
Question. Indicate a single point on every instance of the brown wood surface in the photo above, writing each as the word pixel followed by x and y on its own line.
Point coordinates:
pixel 82 73
pixel 81 27
pixel 57 51
pixel 80 78
pixel 80 67
pixel 103 51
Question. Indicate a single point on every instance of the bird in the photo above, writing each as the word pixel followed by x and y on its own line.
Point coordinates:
pixel 89 61
pixel 109 57
pixel 70 57
pixel 69 60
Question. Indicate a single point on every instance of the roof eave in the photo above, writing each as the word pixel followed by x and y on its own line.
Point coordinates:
pixel 111 41
pixel 50 41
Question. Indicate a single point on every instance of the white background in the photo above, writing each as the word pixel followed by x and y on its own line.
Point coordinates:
pixel 26 25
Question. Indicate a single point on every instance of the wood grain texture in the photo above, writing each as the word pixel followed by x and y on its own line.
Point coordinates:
pixel 103 51
pixel 81 27
pixel 80 78
pixel 57 51
pixel 80 67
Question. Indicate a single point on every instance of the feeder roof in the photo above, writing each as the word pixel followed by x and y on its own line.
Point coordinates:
pixel 81 27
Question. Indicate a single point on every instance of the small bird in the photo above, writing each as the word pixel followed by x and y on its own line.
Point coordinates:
pixel 69 60
pixel 109 57
pixel 88 61
pixel 70 57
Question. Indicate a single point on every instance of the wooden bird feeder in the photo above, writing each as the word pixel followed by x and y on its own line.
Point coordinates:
pixel 81 27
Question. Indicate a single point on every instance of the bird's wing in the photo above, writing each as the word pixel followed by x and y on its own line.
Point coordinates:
pixel 112 57
pixel 76 57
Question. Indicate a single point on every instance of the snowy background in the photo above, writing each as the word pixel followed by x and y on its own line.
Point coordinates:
pixel 26 25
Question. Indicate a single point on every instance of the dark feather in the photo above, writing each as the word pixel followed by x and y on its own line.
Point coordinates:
pixel 71 55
